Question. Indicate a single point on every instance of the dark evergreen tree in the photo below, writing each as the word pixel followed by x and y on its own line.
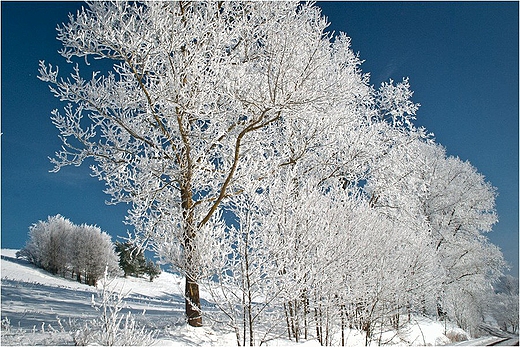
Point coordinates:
pixel 152 269
pixel 131 259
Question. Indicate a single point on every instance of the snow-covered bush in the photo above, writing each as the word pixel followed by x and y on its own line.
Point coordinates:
pixel 112 327
pixel 457 335
pixel 60 247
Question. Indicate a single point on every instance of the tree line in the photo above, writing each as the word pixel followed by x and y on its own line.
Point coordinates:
pixel 318 263
pixel 82 252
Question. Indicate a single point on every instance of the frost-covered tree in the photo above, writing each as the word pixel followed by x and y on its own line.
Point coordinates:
pixel 98 254
pixel 48 243
pixel 246 273
pixel 251 148
pixel 201 98
pixel 503 303
pixel 417 184
pixel 321 259
pixel 460 209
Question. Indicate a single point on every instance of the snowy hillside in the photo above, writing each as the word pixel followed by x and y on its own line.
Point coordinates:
pixel 38 308
pixel 36 303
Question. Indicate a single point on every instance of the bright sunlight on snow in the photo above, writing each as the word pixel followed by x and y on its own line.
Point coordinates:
pixel 39 308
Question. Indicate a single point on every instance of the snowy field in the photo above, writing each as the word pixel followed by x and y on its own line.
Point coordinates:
pixel 40 309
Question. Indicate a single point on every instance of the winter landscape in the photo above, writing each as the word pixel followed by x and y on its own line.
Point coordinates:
pixel 282 198
pixel 41 309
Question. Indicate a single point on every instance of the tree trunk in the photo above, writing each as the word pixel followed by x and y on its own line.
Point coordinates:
pixel 287 320
pixel 305 311
pixel 317 318
pixel 342 315
pixel 294 319
pixel 191 292
pixel 193 311
pixel 248 289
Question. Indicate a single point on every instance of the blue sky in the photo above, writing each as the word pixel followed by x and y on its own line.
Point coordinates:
pixel 461 58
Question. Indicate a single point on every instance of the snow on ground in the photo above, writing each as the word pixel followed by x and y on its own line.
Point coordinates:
pixel 41 309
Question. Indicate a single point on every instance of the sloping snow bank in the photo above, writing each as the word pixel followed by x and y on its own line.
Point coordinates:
pixel 22 271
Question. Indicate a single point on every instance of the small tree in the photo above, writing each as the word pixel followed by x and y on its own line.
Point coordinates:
pixel 48 243
pixel 133 262
pixel 503 303
pixel 99 253
pixel 131 259
pixel 152 269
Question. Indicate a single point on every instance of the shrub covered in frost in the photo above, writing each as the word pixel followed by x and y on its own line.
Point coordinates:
pixel 62 248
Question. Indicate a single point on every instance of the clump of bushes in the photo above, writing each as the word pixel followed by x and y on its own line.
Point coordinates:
pixel 133 262
pixel 62 248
